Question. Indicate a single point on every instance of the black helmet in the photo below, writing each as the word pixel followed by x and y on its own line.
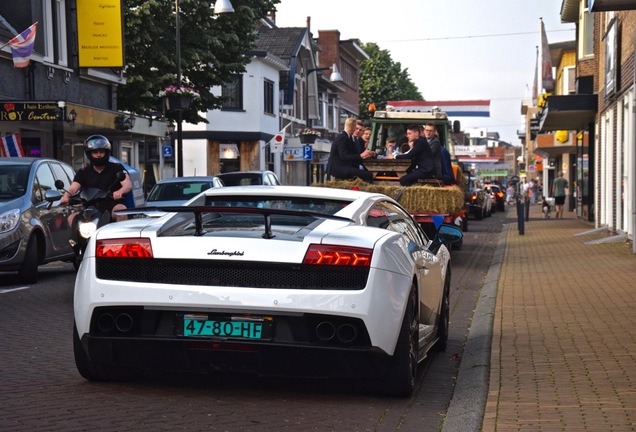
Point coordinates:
pixel 97 142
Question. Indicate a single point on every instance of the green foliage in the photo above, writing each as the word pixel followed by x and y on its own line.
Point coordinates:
pixel 213 48
pixel 382 80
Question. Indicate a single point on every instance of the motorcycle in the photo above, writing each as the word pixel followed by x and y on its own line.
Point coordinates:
pixel 93 214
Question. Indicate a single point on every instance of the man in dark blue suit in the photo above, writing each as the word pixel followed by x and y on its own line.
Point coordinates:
pixel 422 162
pixel 345 160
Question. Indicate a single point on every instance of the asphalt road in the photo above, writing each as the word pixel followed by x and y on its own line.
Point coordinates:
pixel 40 388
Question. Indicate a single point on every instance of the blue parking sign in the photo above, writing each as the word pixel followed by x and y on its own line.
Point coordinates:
pixel 167 151
pixel 308 152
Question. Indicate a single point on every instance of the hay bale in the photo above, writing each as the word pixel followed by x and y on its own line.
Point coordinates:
pixel 415 199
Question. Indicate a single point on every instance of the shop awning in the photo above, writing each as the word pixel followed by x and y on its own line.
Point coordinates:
pixel 610 5
pixel 569 112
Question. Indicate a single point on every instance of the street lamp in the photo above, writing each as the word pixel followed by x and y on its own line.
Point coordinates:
pixel 334 77
pixel 220 7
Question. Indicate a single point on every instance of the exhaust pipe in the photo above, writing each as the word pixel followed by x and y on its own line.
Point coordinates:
pixel 106 323
pixel 325 331
pixel 124 322
pixel 346 333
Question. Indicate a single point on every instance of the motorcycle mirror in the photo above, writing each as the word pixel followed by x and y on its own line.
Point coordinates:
pixel 59 184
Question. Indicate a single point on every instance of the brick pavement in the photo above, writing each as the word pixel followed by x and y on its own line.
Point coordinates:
pixel 563 355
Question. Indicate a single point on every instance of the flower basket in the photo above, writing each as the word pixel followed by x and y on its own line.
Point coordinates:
pixel 178 98
pixel 309 135
pixel 177 102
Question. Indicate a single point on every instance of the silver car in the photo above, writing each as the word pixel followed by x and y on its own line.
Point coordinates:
pixel 33 231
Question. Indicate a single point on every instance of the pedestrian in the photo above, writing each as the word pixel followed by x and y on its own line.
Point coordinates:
pixel 531 192
pixel 510 194
pixel 344 158
pixel 558 192
pixel 535 191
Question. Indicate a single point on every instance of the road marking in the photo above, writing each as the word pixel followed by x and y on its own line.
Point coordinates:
pixel 3 291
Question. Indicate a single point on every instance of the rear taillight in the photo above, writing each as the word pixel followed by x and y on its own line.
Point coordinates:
pixel 124 248
pixel 338 256
pixel 474 197
pixel 500 194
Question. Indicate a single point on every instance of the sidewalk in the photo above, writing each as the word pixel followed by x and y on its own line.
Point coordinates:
pixel 560 313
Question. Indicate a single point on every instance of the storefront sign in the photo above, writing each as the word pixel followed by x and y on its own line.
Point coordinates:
pixel 100 34
pixel 30 111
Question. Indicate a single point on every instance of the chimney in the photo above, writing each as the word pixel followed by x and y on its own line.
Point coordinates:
pixel 272 16
pixel 309 23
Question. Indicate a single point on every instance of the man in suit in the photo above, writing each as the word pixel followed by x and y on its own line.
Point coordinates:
pixel 344 158
pixel 422 163
pixel 430 133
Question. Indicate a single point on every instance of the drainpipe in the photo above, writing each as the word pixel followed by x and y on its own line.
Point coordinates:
pixel 634 157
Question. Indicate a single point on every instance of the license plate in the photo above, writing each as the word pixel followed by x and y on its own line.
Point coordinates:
pixel 254 328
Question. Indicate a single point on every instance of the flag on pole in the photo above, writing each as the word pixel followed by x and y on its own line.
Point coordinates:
pixel 535 83
pixel 278 141
pixel 547 79
pixel 11 146
pixel 22 47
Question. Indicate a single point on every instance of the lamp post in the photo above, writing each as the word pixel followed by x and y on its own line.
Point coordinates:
pixel 220 7
pixel 334 77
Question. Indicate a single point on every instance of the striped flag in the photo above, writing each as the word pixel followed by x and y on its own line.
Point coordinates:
pixel 547 79
pixel 455 108
pixel 22 47
pixel 11 146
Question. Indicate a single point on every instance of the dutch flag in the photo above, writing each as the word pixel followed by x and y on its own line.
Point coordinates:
pixel 22 47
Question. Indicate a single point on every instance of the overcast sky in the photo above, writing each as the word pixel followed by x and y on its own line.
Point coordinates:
pixel 453 49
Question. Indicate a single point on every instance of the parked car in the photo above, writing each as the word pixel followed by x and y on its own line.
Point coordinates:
pixel 33 231
pixel 281 280
pixel 247 178
pixel 179 190
pixel 499 195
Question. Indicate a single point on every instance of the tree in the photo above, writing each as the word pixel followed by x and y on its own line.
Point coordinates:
pixel 382 80
pixel 213 48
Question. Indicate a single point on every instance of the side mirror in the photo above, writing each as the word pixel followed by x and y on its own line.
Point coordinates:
pixel 449 234
pixel 59 184
pixel 51 195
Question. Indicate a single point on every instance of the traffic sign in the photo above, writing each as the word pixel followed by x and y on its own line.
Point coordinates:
pixel 166 151
pixel 308 153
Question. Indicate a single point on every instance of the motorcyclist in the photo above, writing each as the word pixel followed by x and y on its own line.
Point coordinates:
pixel 101 174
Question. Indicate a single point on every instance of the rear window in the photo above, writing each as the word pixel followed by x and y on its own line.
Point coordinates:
pixel 329 207
pixel 253 223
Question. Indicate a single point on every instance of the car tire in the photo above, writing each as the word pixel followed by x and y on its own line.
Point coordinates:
pixel 444 317
pixel 28 272
pixel 96 371
pixel 479 214
pixel 402 374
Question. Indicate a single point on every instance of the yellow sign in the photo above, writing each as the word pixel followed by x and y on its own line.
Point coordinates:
pixel 100 31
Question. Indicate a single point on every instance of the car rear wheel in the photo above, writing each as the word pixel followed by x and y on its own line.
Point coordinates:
pixel 28 272
pixel 401 376
pixel 97 371
pixel 444 317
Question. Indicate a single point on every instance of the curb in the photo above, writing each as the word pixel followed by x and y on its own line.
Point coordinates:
pixel 466 410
